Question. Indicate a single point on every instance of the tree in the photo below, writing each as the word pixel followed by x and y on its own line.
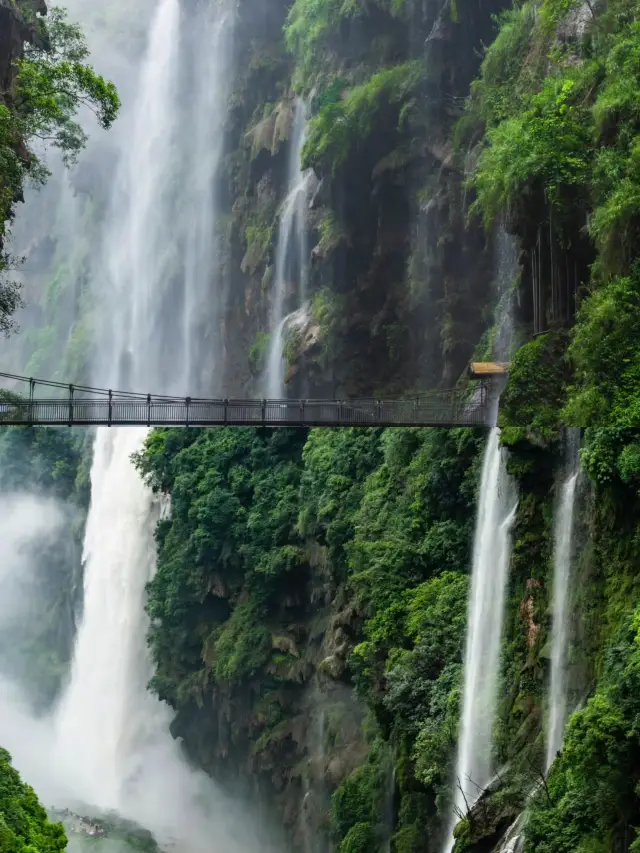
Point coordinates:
pixel 54 81
pixel 24 827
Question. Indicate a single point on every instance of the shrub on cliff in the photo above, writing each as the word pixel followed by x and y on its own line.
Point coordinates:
pixel 24 826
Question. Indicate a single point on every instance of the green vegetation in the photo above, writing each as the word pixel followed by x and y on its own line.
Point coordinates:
pixel 561 140
pixel 315 27
pixel 54 80
pixel 392 511
pixel 24 827
pixel 384 101
pixel 535 391
pixel 591 802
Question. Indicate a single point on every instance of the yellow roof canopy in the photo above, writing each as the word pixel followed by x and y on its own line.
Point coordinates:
pixel 486 369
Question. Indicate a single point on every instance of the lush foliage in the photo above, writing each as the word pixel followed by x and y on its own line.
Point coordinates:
pixel 24 827
pixel 392 511
pixel 561 139
pixel 605 352
pixel 230 547
pixel 54 80
pixel 314 27
pixel 535 391
pixel 591 802
pixel 384 100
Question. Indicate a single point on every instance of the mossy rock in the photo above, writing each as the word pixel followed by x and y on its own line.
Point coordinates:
pixel 531 403
pixel 488 820
pixel 273 130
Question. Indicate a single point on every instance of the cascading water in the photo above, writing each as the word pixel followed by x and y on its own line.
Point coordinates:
pixel 210 37
pixel 106 714
pixel 491 555
pixel 291 256
pixel 562 550
pixel 112 736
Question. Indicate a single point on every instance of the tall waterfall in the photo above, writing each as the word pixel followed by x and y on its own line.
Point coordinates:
pixel 562 552
pixel 491 555
pixel 106 715
pixel 291 257
pixel 112 735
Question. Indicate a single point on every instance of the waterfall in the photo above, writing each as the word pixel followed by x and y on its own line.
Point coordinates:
pixel 291 257
pixel 211 40
pixel 106 714
pixel 491 554
pixel 113 747
pixel 562 548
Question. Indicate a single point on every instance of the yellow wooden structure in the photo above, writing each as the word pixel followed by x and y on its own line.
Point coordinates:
pixel 488 369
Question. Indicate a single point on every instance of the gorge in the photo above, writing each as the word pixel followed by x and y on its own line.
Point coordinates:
pixel 322 640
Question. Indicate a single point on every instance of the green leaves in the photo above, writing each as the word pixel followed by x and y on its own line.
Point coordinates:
pixel 591 789
pixel 605 353
pixel 24 827
pixel 230 541
pixel 54 82
pixel 342 123
pixel 547 147
pixel 259 518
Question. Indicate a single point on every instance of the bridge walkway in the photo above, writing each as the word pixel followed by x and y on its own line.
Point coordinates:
pixel 29 402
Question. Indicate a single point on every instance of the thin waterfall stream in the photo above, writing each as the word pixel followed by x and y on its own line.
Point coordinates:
pixel 491 555
pixel 291 257
pixel 562 553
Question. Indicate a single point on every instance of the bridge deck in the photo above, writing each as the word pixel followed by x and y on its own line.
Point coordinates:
pixel 270 413
pixel 35 402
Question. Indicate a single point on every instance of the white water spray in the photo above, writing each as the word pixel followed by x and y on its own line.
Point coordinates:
pixel 562 552
pixel 492 551
pixel 211 44
pixel 291 256
pixel 139 233
pixel 112 735
pixel 106 714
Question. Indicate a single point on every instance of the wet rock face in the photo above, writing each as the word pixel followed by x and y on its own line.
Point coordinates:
pixel 487 825
pixel 15 30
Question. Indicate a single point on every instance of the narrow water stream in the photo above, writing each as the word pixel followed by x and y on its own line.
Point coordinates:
pixel 291 258
pixel 562 553
pixel 491 555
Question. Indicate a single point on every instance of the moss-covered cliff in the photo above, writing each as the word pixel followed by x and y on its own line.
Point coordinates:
pixel 342 632
pixel 309 608
pixel 401 284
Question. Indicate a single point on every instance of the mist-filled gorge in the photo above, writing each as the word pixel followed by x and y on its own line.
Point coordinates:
pixel 301 639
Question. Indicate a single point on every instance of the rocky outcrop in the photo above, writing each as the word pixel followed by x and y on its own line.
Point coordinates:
pixel 17 26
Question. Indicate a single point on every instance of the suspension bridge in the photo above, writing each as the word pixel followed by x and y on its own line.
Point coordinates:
pixel 25 401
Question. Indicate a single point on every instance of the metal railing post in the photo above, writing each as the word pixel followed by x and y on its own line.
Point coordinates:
pixel 188 402
pixel 110 412
pixel 70 405
pixel 32 384
pixel 264 411
pixel 301 411
pixel 226 407
pixel 148 410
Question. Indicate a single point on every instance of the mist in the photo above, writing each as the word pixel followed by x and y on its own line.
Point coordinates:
pixel 179 804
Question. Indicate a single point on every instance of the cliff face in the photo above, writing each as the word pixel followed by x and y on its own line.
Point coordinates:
pixel 309 609
pixel 367 609
pixel 400 285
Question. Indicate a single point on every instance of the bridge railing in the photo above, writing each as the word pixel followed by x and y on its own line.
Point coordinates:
pixel 74 406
